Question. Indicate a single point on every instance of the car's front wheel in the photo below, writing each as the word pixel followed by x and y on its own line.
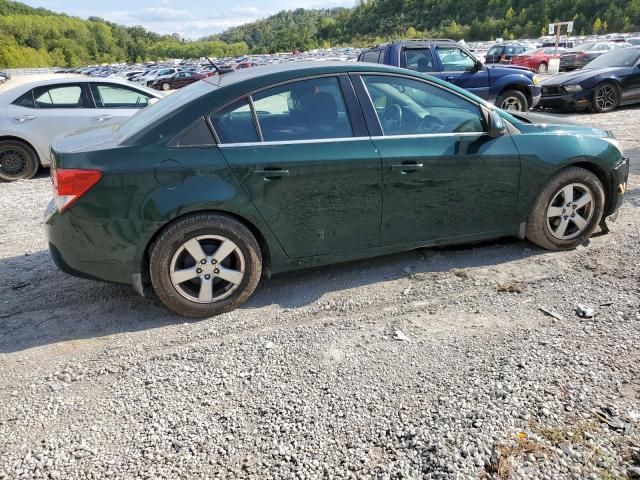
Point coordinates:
pixel 166 86
pixel 205 264
pixel 17 161
pixel 567 210
pixel 543 68
pixel 513 100
pixel 605 98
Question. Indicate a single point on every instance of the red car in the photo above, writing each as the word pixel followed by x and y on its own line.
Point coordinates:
pixel 536 60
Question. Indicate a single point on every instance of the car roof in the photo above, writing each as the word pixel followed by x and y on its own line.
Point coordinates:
pixel 296 70
pixel 413 41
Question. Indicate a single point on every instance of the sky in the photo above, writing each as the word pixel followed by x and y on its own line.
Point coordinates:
pixel 189 18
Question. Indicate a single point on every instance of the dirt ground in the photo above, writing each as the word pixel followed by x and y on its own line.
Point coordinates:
pixel 309 377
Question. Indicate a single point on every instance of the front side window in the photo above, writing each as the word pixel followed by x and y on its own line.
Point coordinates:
pixel 410 107
pixel 419 59
pixel 454 59
pixel 303 110
pixel 371 56
pixel 234 123
pixel 112 96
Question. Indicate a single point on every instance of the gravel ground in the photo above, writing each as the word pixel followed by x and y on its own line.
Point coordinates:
pixel 429 364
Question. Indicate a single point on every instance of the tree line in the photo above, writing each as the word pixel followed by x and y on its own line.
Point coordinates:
pixel 31 37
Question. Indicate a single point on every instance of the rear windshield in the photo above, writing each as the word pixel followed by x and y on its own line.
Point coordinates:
pixel 160 110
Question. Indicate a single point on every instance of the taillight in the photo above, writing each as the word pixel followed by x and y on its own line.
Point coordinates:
pixel 69 184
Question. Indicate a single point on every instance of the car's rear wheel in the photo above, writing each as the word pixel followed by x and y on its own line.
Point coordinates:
pixel 606 98
pixel 567 210
pixel 205 264
pixel 17 161
pixel 513 100
pixel 543 68
pixel 166 86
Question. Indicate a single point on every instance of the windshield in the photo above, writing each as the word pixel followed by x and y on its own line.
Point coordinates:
pixel 625 57
pixel 160 110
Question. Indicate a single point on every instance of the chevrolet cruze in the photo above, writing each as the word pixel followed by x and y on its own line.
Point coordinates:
pixel 276 168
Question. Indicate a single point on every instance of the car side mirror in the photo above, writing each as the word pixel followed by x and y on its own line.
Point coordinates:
pixel 497 128
pixel 477 66
pixel 152 100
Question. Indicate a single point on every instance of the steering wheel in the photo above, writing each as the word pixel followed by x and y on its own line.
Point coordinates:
pixel 430 124
pixel 392 117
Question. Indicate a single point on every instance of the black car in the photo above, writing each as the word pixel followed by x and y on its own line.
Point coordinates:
pixel 610 80
pixel 503 53
pixel 578 57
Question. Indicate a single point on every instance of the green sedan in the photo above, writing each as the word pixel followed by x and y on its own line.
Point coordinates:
pixel 277 168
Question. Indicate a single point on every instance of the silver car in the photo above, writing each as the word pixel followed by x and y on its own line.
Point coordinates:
pixel 33 114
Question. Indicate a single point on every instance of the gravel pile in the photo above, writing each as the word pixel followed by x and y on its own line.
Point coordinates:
pixel 471 362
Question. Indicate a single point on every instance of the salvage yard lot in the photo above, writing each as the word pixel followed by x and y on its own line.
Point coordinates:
pixel 434 363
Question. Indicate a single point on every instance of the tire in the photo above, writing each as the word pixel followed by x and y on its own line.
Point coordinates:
pixel 18 160
pixel 543 68
pixel 544 223
pixel 606 97
pixel 512 100
pixel 169 257
pixel 166 86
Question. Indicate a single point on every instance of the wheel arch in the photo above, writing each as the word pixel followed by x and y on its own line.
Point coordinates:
pixel 598 172
pixel 26 142
pixel 260 238
pixel 519 87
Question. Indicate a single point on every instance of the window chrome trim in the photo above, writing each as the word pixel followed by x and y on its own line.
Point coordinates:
pixel 431 135
pixel 293 142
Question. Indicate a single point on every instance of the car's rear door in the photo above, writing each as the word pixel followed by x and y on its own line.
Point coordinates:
pixel 459 68
pixel 113 102
pixel 444 177
pixel 45 112
pixel 302 153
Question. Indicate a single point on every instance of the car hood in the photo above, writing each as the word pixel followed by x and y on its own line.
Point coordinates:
pixel 86 139
pixel 530 122
pixel 576 76
pixel 509 70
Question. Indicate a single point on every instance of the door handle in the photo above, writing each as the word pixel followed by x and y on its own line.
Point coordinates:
pixel 449 78
pixel 271 173
pixel 102 118
pixel 406 167
pixel 24 118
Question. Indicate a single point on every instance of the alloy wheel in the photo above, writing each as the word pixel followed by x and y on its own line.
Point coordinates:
pixel 606 97
pixel 13 162
pixel 207 268
pixel 166 86
pixel 512 103
pixel 542 68
pixel 570 211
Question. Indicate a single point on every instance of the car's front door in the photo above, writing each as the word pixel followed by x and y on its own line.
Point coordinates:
pixel 114 103
pixel 307 163
pixel 443 175
pixel 459 68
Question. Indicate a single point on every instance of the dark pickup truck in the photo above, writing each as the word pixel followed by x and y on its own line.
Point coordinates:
pixel 510 88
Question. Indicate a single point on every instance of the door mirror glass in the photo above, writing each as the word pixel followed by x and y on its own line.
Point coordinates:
pixel 497 127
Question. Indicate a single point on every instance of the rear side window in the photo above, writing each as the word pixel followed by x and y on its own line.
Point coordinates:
pixel 303 110
pixel 419 59
pixel 373 56
pixel 495 51
pixel 60 96
pixel 234 123
pixel 25 100
pixel 114 96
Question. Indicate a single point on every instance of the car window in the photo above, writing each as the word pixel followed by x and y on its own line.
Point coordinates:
pixel 303 110
pixel 371 56
pixel 234 123
pixel 60 96
pixel 113 96
pixel 419 59
pixel 410 107
pixel 497 50
pixel 454 59
pixel 25 100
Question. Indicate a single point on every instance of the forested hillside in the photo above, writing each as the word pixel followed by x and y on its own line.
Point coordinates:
pixel 38 37
pixel 375 20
